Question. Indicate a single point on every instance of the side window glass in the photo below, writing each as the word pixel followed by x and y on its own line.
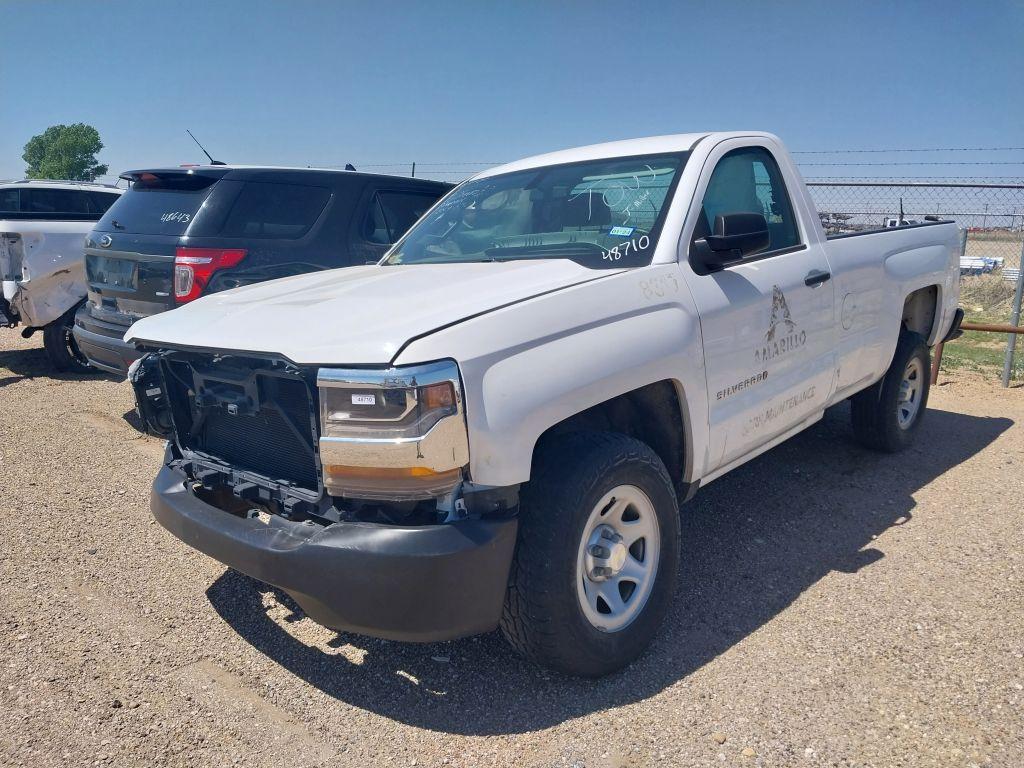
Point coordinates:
pixel 10 200
pixel 375 227
pixel 268 210
pixel 403 209
pixel 101 201
pixel 54 201
pixel 748 180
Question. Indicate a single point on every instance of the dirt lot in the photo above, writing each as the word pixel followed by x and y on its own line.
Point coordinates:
pixel 836 608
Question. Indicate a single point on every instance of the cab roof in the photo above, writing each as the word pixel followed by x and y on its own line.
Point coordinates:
pixel 651 145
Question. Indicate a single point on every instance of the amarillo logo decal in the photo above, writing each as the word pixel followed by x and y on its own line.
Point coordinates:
pixel 782 335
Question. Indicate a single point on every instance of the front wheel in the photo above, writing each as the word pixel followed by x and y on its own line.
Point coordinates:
pixel 597 557
pixel 61 347
pixel 887 415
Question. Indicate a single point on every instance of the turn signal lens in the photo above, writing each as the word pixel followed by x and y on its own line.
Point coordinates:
pixel 441 395
pixel 389 482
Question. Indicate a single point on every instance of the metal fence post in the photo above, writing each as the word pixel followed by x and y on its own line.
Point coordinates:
pixel 1011 341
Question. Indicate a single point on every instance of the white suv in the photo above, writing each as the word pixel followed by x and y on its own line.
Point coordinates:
pixel 43 224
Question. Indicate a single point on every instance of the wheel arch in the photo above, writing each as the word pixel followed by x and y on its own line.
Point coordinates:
pixel 921 311
pixel 654 414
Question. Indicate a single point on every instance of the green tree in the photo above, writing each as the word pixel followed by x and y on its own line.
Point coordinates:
pixel 64 152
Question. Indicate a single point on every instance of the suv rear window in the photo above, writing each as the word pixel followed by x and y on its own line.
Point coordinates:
pixel 158 204
pixel 279 211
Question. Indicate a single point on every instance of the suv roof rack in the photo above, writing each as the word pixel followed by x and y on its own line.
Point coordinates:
pixel 63 181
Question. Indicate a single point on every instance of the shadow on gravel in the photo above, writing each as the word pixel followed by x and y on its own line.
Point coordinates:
pixel 33 363
pixel 752 543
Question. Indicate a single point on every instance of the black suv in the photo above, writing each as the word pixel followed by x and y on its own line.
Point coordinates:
pixel 180 233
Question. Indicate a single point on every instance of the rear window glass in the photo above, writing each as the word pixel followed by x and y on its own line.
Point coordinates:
pixel 158 205
pixel 280 211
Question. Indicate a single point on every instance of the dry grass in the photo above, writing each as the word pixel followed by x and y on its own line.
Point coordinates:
pixel 986 297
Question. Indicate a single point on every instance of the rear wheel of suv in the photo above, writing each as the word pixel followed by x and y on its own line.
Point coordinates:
pixel 61 347
pixel 598 551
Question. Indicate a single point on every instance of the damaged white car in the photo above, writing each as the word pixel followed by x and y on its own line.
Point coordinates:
pixel 43 225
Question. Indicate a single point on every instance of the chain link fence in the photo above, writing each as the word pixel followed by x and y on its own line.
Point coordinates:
pixel 991 211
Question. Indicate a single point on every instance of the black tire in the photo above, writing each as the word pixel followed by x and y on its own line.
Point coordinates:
pixel 542 618
pixel 876 411
pixel 61 347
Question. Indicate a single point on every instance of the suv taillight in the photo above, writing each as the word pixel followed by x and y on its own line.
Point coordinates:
pixel 193 268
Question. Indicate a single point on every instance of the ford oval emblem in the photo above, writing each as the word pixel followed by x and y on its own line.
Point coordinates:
pixel 106 241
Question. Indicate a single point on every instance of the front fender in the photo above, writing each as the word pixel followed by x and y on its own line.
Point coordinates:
pixel 531 365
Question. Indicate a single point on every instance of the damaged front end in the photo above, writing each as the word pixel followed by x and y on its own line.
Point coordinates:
pixel 282 471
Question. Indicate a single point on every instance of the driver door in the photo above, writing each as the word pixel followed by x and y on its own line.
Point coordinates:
pixel 766 320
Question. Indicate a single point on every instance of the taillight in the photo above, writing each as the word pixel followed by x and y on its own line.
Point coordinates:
pixel 193 268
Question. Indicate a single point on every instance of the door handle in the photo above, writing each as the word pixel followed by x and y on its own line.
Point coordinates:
pixel 817 277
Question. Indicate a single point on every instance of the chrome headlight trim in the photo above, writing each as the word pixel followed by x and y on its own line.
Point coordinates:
pixel 374 443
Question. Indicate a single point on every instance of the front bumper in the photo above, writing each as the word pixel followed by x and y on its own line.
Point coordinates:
pixel 418 584
pixel 102 343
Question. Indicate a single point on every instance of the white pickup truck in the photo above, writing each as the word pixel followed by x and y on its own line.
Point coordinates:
pixel 497 423
pixel 43 225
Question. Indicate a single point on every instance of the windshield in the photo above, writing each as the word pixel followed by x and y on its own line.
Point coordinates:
pixel 599 213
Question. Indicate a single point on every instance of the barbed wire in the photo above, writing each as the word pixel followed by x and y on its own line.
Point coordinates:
pixel 930 162
pixel 904 149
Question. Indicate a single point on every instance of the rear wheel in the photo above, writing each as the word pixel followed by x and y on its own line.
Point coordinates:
pixel 887 415
pixel 61 347
pixel 597 556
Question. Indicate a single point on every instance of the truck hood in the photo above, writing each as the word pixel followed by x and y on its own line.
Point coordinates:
pixel 353 316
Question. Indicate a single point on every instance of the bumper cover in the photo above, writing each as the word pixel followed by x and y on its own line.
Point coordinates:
pixel 102 343
pixel 417 584
pixel 954 331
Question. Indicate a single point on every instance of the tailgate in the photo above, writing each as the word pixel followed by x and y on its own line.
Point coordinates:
pixel 130 278
pixel 129 257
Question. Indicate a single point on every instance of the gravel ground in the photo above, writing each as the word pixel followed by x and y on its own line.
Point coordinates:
pixel 836 608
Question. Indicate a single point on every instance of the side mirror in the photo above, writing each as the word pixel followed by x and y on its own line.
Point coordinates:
pixel 736 236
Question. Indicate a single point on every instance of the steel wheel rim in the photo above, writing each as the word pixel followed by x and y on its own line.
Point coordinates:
pixel 617 559
pixel 911 387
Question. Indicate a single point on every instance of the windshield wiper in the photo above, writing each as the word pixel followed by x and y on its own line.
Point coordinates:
pixel 553 251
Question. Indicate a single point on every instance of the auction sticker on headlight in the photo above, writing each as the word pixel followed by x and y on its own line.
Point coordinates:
pixel 364 399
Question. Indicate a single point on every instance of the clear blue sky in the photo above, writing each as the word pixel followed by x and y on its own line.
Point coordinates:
pixel 328 83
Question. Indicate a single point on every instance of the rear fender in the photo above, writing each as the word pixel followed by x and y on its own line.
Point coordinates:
pixel 51 279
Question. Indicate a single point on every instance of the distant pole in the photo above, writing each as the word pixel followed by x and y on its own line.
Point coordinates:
pixel 414 170
pixel 1011 341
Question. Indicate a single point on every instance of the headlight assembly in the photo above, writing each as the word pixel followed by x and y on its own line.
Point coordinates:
pixel 393 434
